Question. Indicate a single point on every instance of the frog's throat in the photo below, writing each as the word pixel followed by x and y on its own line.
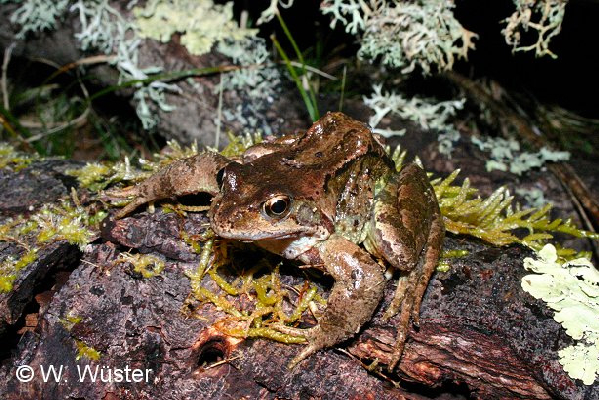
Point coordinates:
pixel 289 248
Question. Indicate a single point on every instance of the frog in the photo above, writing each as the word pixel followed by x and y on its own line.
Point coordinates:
pixel 331 198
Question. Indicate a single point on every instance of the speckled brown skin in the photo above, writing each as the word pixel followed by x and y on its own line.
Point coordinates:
pixel 327 178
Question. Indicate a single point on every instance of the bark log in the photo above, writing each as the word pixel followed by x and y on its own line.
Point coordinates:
pixel 480 334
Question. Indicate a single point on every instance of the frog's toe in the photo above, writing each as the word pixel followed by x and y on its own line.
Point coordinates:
pixel 307 351
pixel 403 327
pixel 296 332
pixel 312 336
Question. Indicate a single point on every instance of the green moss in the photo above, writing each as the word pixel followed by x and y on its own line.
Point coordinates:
pixel 51 223
pixel 92 175
pixel 84 351
pixel 28 258
pixel 259 316
pixel 147 265
pixel 6 282
pixel 10 157
pixel 63 222
pixel 497 220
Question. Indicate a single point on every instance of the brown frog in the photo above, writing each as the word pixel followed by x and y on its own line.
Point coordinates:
pixel 330 198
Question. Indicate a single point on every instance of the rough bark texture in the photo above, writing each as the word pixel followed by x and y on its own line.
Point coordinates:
pixel 480 334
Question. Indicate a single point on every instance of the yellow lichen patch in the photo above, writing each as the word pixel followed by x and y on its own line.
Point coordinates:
pixel 84 351
pixel 200 23
pixel 572 290
pixel 147 265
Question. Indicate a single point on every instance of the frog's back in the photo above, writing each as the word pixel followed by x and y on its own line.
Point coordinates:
pixel 357 161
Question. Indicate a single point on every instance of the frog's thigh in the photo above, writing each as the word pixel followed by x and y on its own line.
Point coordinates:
pixel 356 293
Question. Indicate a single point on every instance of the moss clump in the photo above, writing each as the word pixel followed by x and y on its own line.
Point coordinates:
pixel 84 351
pixel 10 157
pixel 268 303
pixel 496 220
pixel 51 223
pixel 147 265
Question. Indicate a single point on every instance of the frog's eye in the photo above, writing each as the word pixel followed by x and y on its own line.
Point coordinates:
pixel 277 207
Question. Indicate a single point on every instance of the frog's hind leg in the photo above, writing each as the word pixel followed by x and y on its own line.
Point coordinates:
pixel 411 288
pixel 357 291
pixel 408 232
pixel 191 175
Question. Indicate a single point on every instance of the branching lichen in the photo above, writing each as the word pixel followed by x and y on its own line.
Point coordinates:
pixel 572 290
pixel 542 17
pixel 273 9
pixel 425 112
pixel 38 15
pixel 404 34
pixel 505 155
pixel 258 79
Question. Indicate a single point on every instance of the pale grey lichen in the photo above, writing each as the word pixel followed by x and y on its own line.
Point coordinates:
pixel 543 17
pixel 404 34
pixel 533 197
pixel 272 10
pixel 505 155
pixel 38 15
pixel 259 79
pixel 427 113
pixel 572 290
pixel 260 76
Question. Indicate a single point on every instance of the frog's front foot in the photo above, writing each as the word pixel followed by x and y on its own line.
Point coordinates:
pixel 310 334
pixel 357 291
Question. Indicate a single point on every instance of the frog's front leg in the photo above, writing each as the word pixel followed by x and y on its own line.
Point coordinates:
pixel 356 293
pixel 197 174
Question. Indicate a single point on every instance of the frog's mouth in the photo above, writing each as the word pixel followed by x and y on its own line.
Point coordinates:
pixel 261 236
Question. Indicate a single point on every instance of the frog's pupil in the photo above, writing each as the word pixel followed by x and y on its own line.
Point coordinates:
pixel 278 206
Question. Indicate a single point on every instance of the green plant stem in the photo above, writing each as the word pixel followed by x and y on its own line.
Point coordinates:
pixel 309 97
pixel 298 83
